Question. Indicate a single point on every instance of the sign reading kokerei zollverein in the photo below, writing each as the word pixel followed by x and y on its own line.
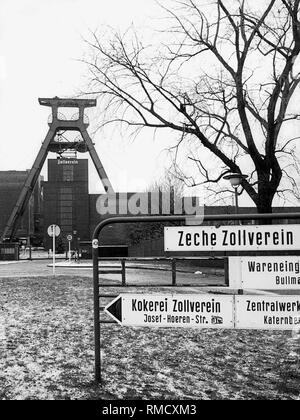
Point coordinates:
pixel 267 312
pixel 265 273
pixel 232 238
pixel 198 311
pixel 206 311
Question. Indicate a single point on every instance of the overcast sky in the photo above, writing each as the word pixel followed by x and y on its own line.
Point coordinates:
pixel 40 43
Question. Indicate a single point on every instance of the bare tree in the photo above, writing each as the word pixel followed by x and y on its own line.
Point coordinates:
pixel 168 183
pixel 223 79
pixel 172 188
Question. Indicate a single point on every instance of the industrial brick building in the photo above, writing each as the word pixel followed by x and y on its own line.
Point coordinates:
pixel 11 183
pixel 68 204
pixel 64 200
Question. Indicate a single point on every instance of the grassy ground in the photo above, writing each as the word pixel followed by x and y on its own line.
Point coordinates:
pixel 48 350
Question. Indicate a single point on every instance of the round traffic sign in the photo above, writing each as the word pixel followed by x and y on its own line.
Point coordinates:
pixel 95 243
pixel 53 230
pixel 69 237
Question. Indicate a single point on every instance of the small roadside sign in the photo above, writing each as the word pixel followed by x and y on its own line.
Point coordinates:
pixel 69 238
pixel 267 312
pixel 95 244
pixel 265 273
pixel 198 311
pixel 53 230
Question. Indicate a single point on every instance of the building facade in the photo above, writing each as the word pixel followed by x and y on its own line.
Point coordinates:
pixel 66 199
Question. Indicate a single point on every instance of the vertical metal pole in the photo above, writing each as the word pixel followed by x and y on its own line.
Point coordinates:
pixel 173 271
pixel 123 273
pixel 226 270
pixel 96 314
pixel 236 201
pixel 29 225
pixel 69 251
pixel 53 251
pixel 240 291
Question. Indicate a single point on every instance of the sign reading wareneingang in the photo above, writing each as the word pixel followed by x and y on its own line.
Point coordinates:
pixel 267 312
pixel 232 238
pixel 265 273
pixel 199 311
pixel 207 311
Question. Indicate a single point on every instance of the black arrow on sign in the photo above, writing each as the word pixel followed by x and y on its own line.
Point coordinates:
pixel 115 309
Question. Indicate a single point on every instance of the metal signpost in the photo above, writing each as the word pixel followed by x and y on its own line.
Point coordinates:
pixel 69 238
pixel 53 231
pixel 214 311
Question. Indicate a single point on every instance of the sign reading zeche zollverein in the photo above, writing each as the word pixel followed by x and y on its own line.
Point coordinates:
pixel 232 238
pixel 265 273
pixel 199 311
pixel 267 312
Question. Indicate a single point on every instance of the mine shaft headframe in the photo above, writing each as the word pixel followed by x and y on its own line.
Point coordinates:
pixel 57 124
pixel 71 103
pixel 51 145
pixel 57 102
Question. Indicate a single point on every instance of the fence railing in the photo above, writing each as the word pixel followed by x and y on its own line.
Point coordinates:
pixel 172 264
pixel 150 219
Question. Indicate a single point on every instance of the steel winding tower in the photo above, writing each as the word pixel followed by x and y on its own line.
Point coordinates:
pixel 55 141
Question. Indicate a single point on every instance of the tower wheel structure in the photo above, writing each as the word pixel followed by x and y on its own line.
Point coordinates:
pixel 56 141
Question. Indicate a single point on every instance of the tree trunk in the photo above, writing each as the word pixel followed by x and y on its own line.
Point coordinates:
pixel 264 205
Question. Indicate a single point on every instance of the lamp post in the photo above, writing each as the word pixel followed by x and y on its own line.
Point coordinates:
pixel 235 181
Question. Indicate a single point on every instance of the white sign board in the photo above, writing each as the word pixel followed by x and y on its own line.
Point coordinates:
pixel 267 312
pixel 232 238
pixel 69 238
pixel 53 230
pixel 265 273
pixel 207 311
pixel 95 243
pixel 198 311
